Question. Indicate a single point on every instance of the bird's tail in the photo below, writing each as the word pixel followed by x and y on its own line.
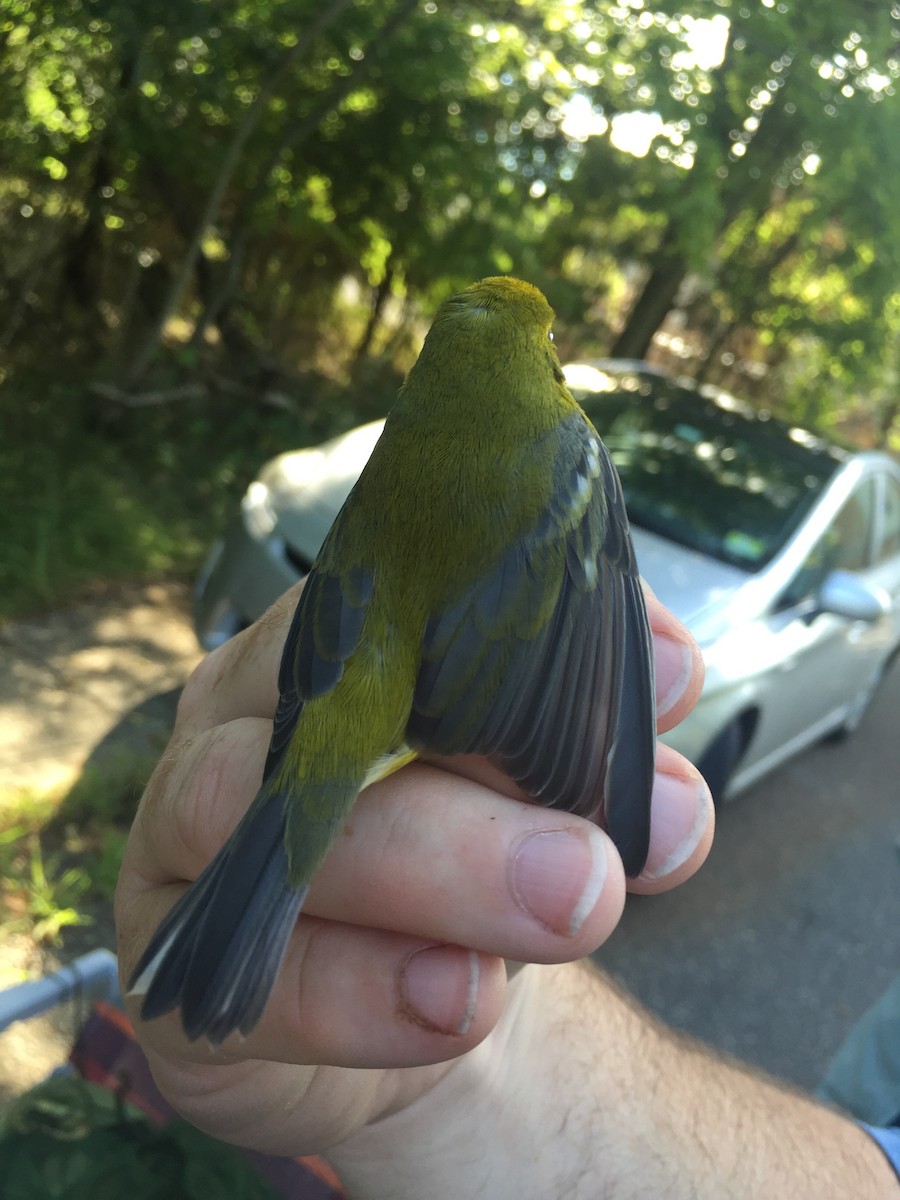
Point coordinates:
pixel 217 953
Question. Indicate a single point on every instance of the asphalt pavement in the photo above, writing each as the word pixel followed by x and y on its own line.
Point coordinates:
pixel 792 927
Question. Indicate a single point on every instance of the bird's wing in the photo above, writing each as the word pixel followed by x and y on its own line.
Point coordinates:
pixel 545 662
pixel 324 631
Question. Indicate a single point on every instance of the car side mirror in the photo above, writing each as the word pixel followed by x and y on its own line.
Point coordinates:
pixel 846 595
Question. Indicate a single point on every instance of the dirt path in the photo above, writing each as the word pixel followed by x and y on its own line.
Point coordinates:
pixel 68 678
pixel 99 676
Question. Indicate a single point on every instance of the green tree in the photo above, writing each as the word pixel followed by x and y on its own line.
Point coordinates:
pixel 764 165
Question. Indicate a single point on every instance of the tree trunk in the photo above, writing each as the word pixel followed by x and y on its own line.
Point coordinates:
pixel 246 127
pixel 886 421
pixel 711 357
pixel 670 268
pixel 379 299
pixel 293 137
pixel 80 271
pixel 650 309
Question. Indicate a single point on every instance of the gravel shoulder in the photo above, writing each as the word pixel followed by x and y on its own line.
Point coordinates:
pixel 69 678
pixel 93 682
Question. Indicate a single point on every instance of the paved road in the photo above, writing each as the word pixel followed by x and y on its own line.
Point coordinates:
pixel 792 928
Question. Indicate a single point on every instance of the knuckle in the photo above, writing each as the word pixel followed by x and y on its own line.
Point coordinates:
pixel 200 684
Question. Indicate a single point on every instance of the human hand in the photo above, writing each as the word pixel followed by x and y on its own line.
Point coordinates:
pixel 396 967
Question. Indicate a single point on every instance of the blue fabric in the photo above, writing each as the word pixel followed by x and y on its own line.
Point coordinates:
pixel 864 1076
pixel 889 1141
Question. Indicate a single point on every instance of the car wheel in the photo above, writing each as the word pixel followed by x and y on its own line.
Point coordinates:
pixel 860 703
pixel 721 757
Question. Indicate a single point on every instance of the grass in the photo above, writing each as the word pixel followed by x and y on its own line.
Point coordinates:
pixel 75 508
pixel 41 898
pixel 91 490
pixel 60 849
pixel 107 790
pixel 71 1138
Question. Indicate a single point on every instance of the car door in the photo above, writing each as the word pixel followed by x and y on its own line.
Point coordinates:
pixel 884 573
pixel 823 659
pixel 866 644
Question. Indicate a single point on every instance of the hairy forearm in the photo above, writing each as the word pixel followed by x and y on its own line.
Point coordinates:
pixel 579 1093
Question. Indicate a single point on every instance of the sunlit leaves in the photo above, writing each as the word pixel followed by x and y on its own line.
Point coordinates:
pixel 753 143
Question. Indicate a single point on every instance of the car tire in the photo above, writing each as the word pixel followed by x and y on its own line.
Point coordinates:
pixel 721 757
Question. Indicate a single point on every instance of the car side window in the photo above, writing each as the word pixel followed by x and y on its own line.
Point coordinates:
pixel 846 545
pixel 851 532
pixel 889 542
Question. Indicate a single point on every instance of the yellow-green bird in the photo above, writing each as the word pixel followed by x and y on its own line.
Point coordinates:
pixel 476 594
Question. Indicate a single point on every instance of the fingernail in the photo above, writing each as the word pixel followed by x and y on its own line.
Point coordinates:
pixel 674 665
pixel 439 989
pixel 557 876
pixel 679 816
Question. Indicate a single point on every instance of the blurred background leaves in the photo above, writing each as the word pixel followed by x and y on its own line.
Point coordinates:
pixel 225 228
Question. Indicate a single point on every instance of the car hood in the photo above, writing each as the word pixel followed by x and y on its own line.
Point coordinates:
pixel 697 588
pixel 308 487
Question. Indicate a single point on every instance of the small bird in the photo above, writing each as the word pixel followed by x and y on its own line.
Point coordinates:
pixel 476 594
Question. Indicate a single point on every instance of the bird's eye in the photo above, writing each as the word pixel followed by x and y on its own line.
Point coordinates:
pixel 550 334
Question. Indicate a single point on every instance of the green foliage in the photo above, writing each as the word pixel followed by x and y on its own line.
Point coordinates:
pixel 105 870
pixel 340 168
pixel 71 503
pixel 41 898
pixel 69 1138
pixel 88 490
pixel 60 849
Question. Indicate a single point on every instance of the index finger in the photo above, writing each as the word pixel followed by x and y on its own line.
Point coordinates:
pixel 239 678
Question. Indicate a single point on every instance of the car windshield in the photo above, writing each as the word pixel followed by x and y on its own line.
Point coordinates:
pixel 706 470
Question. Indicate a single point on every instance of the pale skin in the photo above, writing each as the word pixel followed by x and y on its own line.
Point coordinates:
pixel 401 1045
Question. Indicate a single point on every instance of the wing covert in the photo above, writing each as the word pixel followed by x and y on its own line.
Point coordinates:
pixel 325 630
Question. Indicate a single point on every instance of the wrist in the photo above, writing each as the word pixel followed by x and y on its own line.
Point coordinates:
pixel 482 1129
pixel 579 1092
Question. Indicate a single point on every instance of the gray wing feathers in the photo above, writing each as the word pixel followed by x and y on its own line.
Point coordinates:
pixel 632 752
pixel 567 708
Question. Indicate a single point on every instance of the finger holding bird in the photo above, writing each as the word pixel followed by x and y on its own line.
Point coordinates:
pixel 211 769
pixel 380 895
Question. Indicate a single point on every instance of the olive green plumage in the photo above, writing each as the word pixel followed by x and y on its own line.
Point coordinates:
pixel 477 593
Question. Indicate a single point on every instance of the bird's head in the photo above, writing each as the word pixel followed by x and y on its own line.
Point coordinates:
pixel 499 303
pixel 488 351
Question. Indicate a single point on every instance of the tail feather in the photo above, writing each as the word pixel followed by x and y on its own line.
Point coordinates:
pixel 632 755
pixel 218 952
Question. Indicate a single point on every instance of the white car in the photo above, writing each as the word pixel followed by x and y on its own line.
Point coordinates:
pixel 779 550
